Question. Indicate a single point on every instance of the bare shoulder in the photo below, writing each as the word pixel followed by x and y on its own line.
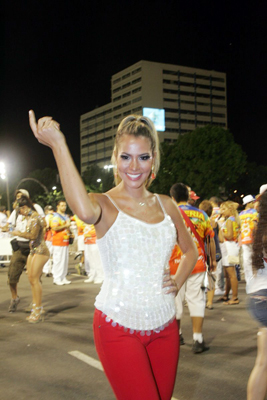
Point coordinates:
pixel 168 204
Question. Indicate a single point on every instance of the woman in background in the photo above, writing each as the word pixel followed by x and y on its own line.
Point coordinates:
pixel 229 246
pixel 39 254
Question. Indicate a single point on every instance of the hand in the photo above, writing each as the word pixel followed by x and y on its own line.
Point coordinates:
pixel 170 283
pixel 46 130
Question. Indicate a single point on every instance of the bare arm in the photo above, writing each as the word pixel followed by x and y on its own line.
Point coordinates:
pixel 47 132
pixel 229 227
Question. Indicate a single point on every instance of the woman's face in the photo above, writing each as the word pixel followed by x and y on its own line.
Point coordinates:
pixel 226 213
pixel 24 210
pixel 134 160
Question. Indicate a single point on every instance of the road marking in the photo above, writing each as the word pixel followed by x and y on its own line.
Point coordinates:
pixel 91 361
pixel 88 360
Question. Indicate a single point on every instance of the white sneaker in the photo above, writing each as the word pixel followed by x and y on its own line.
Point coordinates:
pixel 219 292
pixel 98 281
pixel 59 283
pixel 66 282
pixel 89 280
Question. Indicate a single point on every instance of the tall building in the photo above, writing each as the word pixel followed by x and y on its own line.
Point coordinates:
pixel 190 98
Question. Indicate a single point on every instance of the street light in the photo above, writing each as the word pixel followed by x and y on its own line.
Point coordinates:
pixel 3 175
pixel 108 167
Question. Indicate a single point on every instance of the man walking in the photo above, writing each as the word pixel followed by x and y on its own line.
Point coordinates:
pixel 60 240
pixel 199 226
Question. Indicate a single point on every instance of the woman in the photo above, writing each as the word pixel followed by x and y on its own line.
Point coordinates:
pixel 229 246
pixel 135 331
pixel 257 304
pixel 39 254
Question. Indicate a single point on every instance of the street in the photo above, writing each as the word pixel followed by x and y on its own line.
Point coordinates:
pixel 36 362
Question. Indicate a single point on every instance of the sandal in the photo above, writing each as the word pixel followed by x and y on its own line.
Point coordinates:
pixel 232 302
pixel 209 306
pixel 224 298
pixel 36 315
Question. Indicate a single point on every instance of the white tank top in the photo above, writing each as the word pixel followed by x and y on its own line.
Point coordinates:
pixel 135 255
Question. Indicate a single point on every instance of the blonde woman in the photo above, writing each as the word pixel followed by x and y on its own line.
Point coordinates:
pixel 229 233
pixel 135 331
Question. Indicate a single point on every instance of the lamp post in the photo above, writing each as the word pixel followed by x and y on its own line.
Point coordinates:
pixel 4 176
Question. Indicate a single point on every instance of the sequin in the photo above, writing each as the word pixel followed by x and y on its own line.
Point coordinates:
pixel 135 255
pixel 35 232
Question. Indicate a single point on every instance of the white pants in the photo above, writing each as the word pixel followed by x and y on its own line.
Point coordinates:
pixel 48 265
pixel 80 242
pixel 247 261
pixel 92 262
pixel 60 262
pixel 191 292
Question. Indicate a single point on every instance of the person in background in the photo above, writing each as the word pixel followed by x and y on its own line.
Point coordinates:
pixel 92 259
pixel 228 235
pixel 18 260
pixel 39 253
pixel 218 220
pixel 135 331
pixel 198 224
pixel 3 228
pixel 206 206
pixel 257 303
pixel 49 213
pixel 80 242
pixel 248 221
pixel 60 225
pixel 192 198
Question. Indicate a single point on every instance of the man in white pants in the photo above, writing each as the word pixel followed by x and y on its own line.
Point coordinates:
pixel 92 260
pixel 60 240
pixel 49 213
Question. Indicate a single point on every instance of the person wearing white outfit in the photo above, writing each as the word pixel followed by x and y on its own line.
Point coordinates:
pixel 92 259
pixel 47 269
pixel 60 239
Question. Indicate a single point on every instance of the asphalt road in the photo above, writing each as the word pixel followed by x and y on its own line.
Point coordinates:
pixel 35 360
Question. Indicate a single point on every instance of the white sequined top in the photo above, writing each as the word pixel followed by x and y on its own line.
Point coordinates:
pixel 135 255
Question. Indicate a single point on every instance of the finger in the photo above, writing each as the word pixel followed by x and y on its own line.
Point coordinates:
pixel 43 123
pixel 32 121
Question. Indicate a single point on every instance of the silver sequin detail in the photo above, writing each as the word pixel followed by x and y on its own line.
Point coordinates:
pixel 134 256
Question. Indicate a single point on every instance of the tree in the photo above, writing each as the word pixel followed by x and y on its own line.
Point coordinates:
pixel 91 176
pixel 206 159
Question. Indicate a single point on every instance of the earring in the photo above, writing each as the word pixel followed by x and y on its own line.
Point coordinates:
pixel 153 176
pixel 115 170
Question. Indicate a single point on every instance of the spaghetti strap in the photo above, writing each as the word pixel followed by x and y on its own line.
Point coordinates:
pixel 160 202
pixel 112 201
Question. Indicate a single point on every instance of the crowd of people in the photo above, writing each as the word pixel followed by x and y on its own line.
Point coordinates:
pixel 150 251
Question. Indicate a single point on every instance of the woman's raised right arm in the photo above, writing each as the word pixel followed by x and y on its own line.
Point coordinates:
pixel 47 131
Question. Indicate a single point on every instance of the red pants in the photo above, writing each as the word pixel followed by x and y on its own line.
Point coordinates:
pixel 138 367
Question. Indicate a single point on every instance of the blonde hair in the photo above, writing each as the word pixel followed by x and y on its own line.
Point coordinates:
pixel 137 125
pixel 232 206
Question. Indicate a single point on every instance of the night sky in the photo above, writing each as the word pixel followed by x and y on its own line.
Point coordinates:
pixel 58 58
